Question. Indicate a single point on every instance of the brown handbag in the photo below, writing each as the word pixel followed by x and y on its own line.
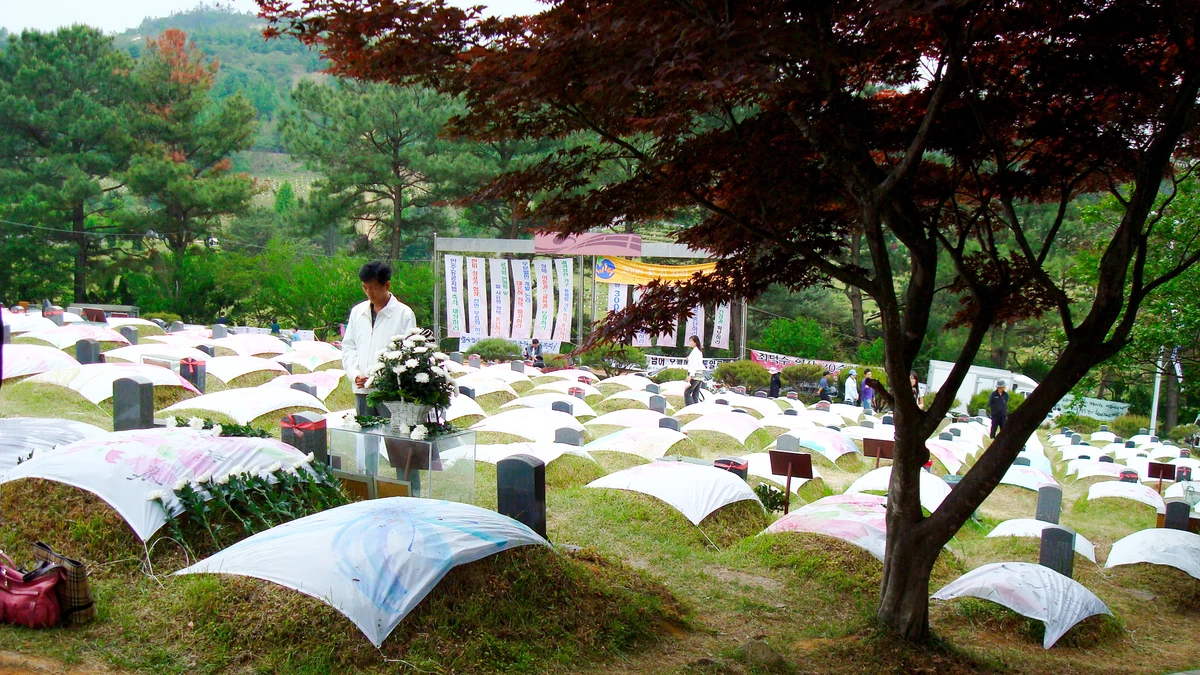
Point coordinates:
pixel 29 599
pixel 74 593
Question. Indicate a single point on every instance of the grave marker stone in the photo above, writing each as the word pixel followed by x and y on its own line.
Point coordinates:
pixel 1103 427
pixel 669 423
pixel 466 391
pixel 1143 431
pixel 741 410
pixel 1105 458
pixel 792 411
pixel 867 424
pixel 1049 504
pixel 1118 439
pixel 87 351
pixel 577 392
pixel 521 491
pixel 722 401
pixel 658 404
pixel 787 443
pixel 306 388
pixel 760 394
pixel 55 314
pixel 569 436
pixel 208 349
pixel 1058 550
pixel 563 406
pixel 1178 513
pixel 740 390
pixel 945 436
pixel 456 357
pixel 822 405
pixel 307 432
pixel 7 335
pixel 888 420
pixel 219 330
pixel 735 465
pixel 1021 461
pixel 133 403
pixel 1076 439
pixel 129 333
pixel 474 361
pixel 1130 444
pixel 982 413
pixel 653 389
pixel 517 366
pixel 957 433
pixel 176 326
pixel 194 371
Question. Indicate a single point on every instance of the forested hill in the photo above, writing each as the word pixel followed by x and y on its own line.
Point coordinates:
pixel 264 71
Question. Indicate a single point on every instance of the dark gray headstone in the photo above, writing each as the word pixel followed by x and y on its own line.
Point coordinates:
pixel 129 333
pixel 669 423
pixel 517 366
pixel 722 401
pixel 586 368
pixel 1021 461
pixel 194 371
pixel 208 349
pixel 87 351
pixel 1076 439
pixel 219 330
pixel 133 403
pixel 658 404
pixel 653 388
pixel 734 465
pixel 563 406
pixel 1143 431
pixel 945 436
pixel 7 337
pixel 1103 427
pixel 1084 457
pixel 951 479
pixel 1178 513
pixel 792 411
pixel 741 410
pixel 569 436
pixel 1118 439
pixel 55 314
pixel 1130 444
pixel 521 491
pixel 456 357
pixel 469 392
pixel 288 367
pixel 306 432
pixel 739 390
pixel 981 413
pixel 867 424
pixel 888 420
pixel 474 361
pixel 955 432
pixel 1104 458
pixel 787 443
pixel 578 393
pixel 176 326
pixel 306 388
pixel 760 394
pixel 1049 504
pixel 1058 550
pixel 1154 439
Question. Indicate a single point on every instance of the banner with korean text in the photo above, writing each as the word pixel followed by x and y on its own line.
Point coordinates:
pixel 720 336
pixel 617 294
pixel 562 326
pixel 454 296
pixel 500 297
pixel 543 321
pixel 641 339
pixel 670 339
pixel 695 325
pixel 477 309
pixel 522 318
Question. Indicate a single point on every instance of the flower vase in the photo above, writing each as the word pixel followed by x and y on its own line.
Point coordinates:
pixel 405 416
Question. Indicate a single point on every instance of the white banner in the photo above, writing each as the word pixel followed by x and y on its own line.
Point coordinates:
pixel 477 309
pixel 543 321
pixel 454 296
pixel 500 297
pixel 641 339
pixel 695 325
pixel 656 363
pixel 562 327
pixel 669 339
pixel 1093 407
pixel 720 336
pixel 548 346
pixel 617 294
pixel 522 321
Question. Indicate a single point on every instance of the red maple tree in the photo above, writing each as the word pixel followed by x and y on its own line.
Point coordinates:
pixel 795 126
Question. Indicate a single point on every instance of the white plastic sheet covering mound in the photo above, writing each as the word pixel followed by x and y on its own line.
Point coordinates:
pixel 675 388
pixel 547 452
pixel 135 353
pixel 572 374
pixel 1029 527
pixel 326 381
pixel 20 437
pixel 565 386
pixel 28 323
pixel 706 408
pixel 1086 468
pixel 463 406
pixel 759 464
pixel 181 339
pixel 634 382
pixel 21 360
pixel 856 519
pixel 788 422
pixel 762 406
pixel 946 453
pixel 253 344
pixel 825 418
pixel 933 489
pixel 484 385
pixel 244 405
pixel 1160 546
pixel 504 373
pixel 532 424
pixel 733 424
pixel 118 321
pixel 829 442
pixel 123 468
pixel 1134 491
pixel 1029 590
pixel 66 336
pixel 693 490
pixel 95 380
pixel 578 407
pixel 226 368
pixel 1027 477
pixel 642 397
pixel 884 432
pixel 1179 490
pixel 373 561
pixel 851 413
pixel 309 358
pixel 645 443
pixel 631 418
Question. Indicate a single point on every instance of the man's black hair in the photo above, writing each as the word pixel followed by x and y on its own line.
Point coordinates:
pixel 535 342
pixel 376 270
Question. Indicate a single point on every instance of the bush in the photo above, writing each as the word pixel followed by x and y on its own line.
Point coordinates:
pixel 870 353
pixel 794 376
pixel 980 401
pixel 803 337
pixel 670 375
pixel 927 401
pixel 497 349
pixel 1181 432
pixel 772 498
pixel 166 317
pixel 615 358
pixel 742 374
pixel 1128 425
pixel 1084 424
pixel 556 361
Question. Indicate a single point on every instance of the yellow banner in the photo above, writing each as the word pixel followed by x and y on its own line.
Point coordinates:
pixel 624 271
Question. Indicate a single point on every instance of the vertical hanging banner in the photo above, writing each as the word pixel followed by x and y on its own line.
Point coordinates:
pixel 522 318
pixel 642 338
pixel 669 339
pixel 720 336
pixel 543 321
pixel 477 310
pixel 616 297
pixel 454 296
pixel 562 327
pixel 500 298
pixel 695 325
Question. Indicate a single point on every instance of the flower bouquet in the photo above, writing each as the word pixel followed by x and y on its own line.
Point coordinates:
pixel 410 379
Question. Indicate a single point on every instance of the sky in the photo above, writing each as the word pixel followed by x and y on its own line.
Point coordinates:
pixel 114 16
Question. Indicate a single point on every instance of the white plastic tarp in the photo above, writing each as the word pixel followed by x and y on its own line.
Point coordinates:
pixel 94 381
pixel 1159 546
pixel 645 443
pixel 933 489
pixel 373 561
pixel 705 408
pixel 1027 477
pixel 463 406
pixel 630 418
pixel 503 373
pixel 856 519
pixel 883 432
pixel 1180 490
pixel 245 405
pixel 118 321
pixel 1029 590
pixel 693 490
pixel 579 408
pixel 786 422
pixel 530 424
pixel 181 339
pixel 125 467
pixel 565 387
pixel 759 464
pixel 547 452
pixel 326 381
pixel 1088 468
pixel 831 443
pixel 28 323
pixel 638 396
pixel 21 360
pixel 20 437
pixel 484 385
pixel 946 453
pixel 852 413
pixel 66 336
pixel 253 344
pixel 309 358
pixel 572 374
pixel 825 418
pixel 1030 527
pixel 135 353
pixel 226 368
pixel 736 425
pixel 1134 491
pixel 762 406
pixel 634 382
pixel 1104 436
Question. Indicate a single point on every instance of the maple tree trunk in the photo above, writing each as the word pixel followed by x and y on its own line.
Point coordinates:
pixel 855 294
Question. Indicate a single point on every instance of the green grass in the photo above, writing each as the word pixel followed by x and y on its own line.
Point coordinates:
pixel 35 399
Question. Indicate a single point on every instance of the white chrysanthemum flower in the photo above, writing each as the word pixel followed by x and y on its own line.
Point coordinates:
pixel 155 494
pixel 204 477
pixel 274 467
pixel 352 425
pixel 440 356
pixel 217 430
pixel 223 479
pixel 412 363
pixel 196 423
pixel 421 377
pixel 309 457
pixel 291 470
pixel 420 350
pixel 369 383
pixel 419 432
pixel 437 371
pixel 180 484
pixel 416 331
pixel 400 369
pixel 171 422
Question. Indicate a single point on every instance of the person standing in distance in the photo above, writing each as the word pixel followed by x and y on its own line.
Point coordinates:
pixel 868 394
pixel 852 388
pixel 998 407
pixel 371 327
pixel 695 367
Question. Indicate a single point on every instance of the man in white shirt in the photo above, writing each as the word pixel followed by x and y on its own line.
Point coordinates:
pixel 371 326
pixel 852 388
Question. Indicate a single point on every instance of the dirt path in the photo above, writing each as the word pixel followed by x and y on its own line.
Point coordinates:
pixel 12 663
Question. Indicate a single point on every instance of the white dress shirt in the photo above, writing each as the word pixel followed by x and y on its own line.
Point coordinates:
pixel 363 341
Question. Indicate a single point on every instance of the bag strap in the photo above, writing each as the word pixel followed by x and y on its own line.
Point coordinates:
pixel 9 560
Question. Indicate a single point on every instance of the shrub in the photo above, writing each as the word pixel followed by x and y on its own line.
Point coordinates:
pixel 670 375
pixel 1179 433
pixel 556 361
pixel 165 317
pixel 804 373
pixel 927 401
pixel 497 349
pixel 772 498
pixel 1128 425
pixel 870 353
pixel 803 337
pixel 1082 423
pixel 742 373
pixel 980 401
pixel 615 358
